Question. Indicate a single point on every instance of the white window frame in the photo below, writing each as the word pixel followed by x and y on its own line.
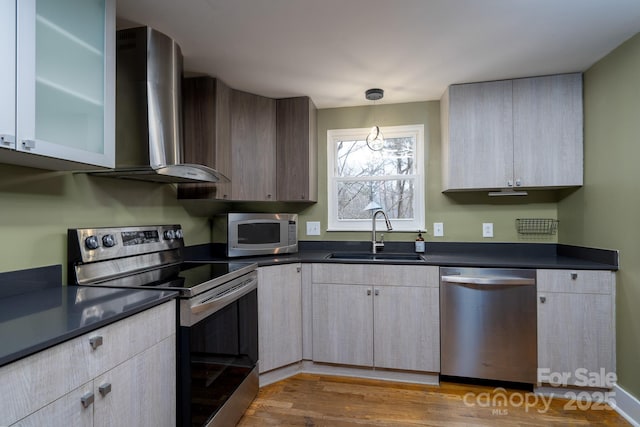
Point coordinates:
pixel 336 135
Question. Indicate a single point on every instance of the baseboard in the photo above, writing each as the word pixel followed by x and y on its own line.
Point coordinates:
pixel 627 405
pixel 309 367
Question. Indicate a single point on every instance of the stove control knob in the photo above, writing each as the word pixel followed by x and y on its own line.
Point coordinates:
pixel 179 234
pixel 91 242
pixel 169 234
pixel 108 240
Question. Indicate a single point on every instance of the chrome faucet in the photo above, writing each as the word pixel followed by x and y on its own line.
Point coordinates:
pixel 375 245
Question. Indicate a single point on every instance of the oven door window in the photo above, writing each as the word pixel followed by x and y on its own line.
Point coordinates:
pixel 223 350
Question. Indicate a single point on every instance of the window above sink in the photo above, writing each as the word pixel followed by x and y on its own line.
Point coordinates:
pixel 392 178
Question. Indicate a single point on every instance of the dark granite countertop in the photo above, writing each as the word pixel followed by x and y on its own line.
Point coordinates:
pixel 507 255
pixel 37 319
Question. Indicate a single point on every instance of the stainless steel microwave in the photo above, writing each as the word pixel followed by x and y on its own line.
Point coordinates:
pixel 250 234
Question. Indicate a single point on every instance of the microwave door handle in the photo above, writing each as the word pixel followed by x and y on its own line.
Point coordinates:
pixel 224 299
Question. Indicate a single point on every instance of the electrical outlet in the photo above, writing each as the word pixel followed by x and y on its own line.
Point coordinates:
pixel 438 229
pixel 487 229
pixel 313 228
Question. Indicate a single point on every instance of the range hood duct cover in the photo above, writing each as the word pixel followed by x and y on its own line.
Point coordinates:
pixel 149 143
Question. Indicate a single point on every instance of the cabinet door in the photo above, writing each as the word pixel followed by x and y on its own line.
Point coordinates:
pixel 547 126
pixel 479 147
pixel 407 328
pixel 8 73
pixel 65 80
pixel 253 145
pixel 342 324
pixel 141 391
pixel 576 326
pixel 67 411
pixel 207 134
pixel 296 149
pixel 279 316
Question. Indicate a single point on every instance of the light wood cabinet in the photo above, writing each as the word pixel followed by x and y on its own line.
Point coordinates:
pixel 576 322
pixel 523 133
pixel 136 357
pixel 279 316
pixel 385 316
pixel 58 92
pixel 296 149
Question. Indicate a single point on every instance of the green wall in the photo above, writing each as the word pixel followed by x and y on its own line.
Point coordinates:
pixel 462 214
pixel 605 212
pixel 37 207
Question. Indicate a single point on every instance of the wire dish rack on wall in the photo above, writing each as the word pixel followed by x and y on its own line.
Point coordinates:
pixel 536 226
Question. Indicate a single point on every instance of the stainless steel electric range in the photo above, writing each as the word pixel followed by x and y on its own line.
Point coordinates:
pixel 217 376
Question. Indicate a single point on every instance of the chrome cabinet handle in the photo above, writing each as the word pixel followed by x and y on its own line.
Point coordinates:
pixel 543 299
pixel 509 183
pixel 298 269
pixel 104 389
pixel 28 144
pixel 376 292
pixel 87 400
pixel 95 342
pixel 368 292
pixel 574 276
pixel 7 139
pixel 518 183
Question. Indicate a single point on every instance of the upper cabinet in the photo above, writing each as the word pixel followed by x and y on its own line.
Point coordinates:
pixel 297 148
pixel 63 117
pixel 523 133
pixel 252 147
pixel 266 147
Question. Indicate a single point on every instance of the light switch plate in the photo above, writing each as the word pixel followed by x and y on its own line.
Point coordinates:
pixel 438 229
pixel 313 228
pixel 487 229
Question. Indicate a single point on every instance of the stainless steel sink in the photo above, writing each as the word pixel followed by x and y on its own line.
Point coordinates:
pixel 381 256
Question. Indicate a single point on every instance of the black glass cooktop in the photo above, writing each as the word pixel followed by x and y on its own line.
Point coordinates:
pixel 189 278
pixel 196 273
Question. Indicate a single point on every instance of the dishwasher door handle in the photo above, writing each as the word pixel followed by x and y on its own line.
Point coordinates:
pixel 489 280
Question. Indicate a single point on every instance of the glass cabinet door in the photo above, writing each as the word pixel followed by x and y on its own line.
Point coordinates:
pixel 8 73
pixel 65 79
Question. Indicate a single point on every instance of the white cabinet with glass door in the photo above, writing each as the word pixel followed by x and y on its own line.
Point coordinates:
pixel 7 74
pixel 64 83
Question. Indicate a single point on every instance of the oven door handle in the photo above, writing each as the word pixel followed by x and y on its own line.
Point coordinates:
pixel 216 302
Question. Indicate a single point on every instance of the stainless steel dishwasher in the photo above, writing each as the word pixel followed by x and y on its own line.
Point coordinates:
pixel 488 324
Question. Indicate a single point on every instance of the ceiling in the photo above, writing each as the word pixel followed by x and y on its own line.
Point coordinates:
pixel 333 50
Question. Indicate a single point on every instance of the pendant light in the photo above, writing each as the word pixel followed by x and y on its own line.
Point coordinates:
pixel 375 139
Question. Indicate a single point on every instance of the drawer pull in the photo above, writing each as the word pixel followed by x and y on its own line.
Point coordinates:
pixel 104 389
pixel 543 299
pixel 574 276
pixel 95 342
pixel 87 400
pixel 368 291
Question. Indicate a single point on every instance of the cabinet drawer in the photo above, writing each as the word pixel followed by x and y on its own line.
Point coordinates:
pixel 31 383
pixel 124 339
pixel 576 281
pixel 349 274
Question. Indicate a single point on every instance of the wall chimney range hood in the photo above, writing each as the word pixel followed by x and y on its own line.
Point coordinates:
pixel 149 112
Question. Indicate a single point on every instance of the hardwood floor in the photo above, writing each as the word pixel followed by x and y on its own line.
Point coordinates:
pixel 315 400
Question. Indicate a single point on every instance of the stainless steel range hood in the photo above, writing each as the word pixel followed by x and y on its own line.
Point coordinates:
pixel 149 111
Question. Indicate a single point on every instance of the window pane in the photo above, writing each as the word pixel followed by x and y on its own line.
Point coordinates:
pixel 355 159
pixel 395 197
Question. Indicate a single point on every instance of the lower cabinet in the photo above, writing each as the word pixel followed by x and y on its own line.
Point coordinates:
pixel 279 316
pixel 122 374
pixel 385 316
pixel 576 325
